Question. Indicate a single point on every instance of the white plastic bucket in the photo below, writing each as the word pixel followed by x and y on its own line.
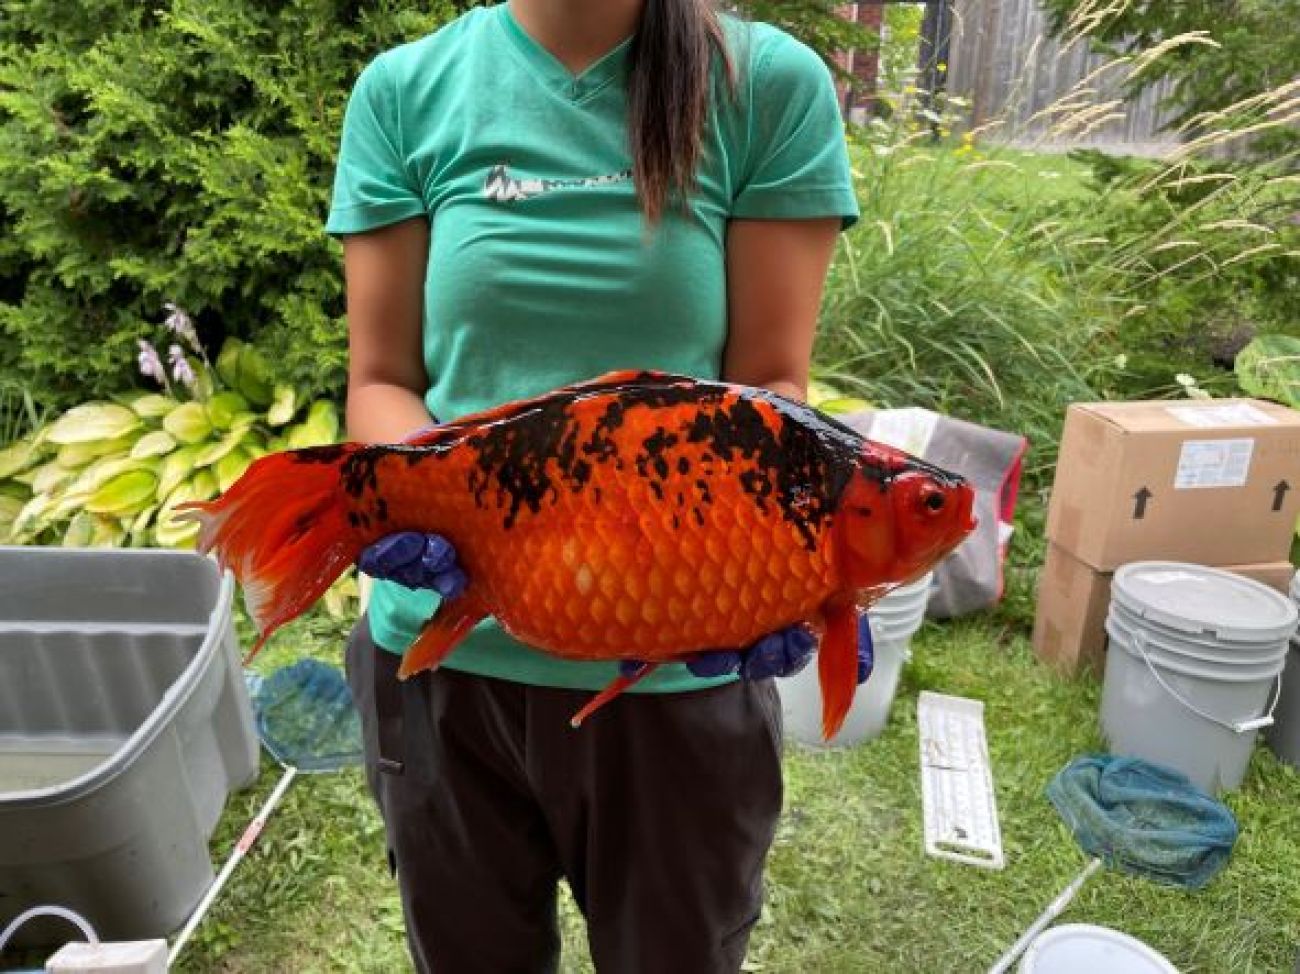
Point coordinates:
pixel 1284 735
pixel 1194 668
pixel 894 621
pixel 1082 948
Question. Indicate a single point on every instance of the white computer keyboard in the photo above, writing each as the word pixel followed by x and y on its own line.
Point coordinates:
pixel 959 807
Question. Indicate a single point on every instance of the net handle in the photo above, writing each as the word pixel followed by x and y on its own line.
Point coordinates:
pixel 1236 726
pixel 251 832
pixel 1054 910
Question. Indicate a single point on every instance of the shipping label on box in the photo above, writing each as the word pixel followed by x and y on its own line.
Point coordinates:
pixel 1214 482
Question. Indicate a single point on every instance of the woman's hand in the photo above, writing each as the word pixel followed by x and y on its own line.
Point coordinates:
pixel 779 654
pixel 782 653
pixel 415 560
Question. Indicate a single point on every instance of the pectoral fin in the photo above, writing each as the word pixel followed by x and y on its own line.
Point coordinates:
pixel 615 687
pixel 441 634
pixel 837 665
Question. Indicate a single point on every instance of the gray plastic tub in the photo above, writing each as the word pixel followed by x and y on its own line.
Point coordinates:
pixel 124 726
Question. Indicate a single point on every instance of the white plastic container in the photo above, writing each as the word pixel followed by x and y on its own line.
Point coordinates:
pixel 124 726
pixel 1082 948
pixel 894 621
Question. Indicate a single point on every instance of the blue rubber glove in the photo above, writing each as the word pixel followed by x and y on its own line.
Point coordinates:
pixel 779 654
pixel 415 560
pixel 866 649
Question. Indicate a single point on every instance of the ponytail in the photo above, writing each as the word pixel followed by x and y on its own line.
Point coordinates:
pixel 668 97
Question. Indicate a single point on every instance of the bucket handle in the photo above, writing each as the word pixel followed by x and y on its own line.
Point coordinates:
pixel 1236 726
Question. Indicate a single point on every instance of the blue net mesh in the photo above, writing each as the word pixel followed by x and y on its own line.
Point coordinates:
pixel 1144 819
pixel 305 717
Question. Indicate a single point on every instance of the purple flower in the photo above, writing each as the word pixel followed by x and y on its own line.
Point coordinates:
pixel 181 370
pixel 181 325
pixel 150 364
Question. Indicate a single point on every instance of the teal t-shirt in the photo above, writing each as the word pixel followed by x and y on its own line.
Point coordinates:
pixel 541 269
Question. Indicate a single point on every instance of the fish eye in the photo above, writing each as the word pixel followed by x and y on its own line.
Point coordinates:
pixel 934 500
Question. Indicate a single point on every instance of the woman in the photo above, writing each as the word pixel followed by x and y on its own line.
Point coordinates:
pixel 540 192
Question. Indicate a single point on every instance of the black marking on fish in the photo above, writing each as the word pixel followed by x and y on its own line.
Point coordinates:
pixel 800 467
pixel 531 453
pixel 511 458
pixel 331 453
pixel 358 473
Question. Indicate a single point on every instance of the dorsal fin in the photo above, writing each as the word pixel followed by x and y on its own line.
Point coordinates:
pixel 624 378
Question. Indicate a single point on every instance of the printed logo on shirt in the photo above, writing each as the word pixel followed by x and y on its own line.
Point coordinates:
pixel 501 187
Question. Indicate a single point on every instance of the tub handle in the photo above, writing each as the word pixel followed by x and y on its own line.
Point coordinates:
pixel 1245 726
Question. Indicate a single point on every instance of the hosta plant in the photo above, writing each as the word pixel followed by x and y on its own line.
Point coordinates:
pixel 112 471
pixel 1269 367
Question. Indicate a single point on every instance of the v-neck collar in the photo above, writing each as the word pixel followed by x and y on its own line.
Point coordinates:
pixel 552 72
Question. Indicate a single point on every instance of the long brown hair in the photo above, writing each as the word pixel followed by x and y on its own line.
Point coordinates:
pixel 668 97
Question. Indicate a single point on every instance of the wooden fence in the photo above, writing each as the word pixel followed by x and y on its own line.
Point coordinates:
pixel 1019 81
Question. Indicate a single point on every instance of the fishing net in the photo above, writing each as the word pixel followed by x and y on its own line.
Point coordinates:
pixel 1144 819
pixel 305 717
pixel 1138 817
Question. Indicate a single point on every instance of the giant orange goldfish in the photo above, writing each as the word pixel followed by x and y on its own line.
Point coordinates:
pixel 639 516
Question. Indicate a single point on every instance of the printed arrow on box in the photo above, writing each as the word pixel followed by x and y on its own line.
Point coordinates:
pixel 1141 498
pixel 1279 494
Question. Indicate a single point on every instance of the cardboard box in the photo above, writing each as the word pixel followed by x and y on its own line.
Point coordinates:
pixel 1074 597
pixel 1213 482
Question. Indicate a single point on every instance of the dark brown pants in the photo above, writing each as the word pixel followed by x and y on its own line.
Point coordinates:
pixel 659 812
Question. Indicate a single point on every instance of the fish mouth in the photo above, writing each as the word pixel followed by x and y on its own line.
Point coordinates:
pixel 968 502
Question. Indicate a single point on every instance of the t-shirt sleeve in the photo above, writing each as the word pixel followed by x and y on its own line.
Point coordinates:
pixel 373 186
pixel 797 161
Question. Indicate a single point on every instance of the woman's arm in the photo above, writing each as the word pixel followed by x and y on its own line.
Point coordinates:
pixel 384 270
pixel 776 270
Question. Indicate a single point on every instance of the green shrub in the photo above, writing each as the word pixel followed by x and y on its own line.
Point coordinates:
pixel 180 150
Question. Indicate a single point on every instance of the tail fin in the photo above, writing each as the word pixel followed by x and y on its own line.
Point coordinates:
pixel 837 666
pixel 283 530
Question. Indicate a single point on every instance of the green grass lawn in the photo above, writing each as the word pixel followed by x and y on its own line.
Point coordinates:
pixel 849 888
